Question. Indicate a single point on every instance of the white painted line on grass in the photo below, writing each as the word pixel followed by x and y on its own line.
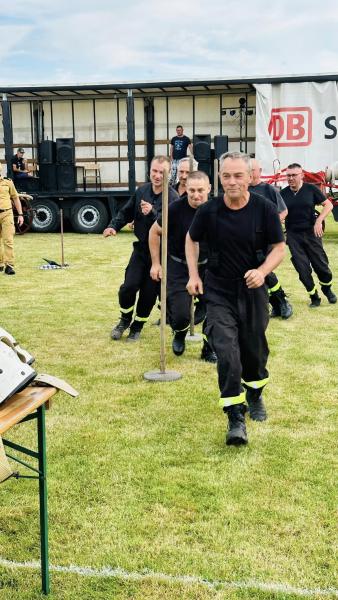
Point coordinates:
pixel 119 573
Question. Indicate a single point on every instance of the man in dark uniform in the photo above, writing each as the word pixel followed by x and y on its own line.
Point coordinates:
pixel 277 297
pixel 142 208
pixel 179 145
pixel 239 227
pixel 8 194
pixel 183 170
pixel 180 216
pixel 304 231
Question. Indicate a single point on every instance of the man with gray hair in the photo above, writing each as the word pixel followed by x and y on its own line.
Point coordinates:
pixel 183 170
pixel 277 297
pixel 238 226
pixel 137 294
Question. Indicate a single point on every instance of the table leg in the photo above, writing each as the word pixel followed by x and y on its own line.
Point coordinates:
pixel 43 498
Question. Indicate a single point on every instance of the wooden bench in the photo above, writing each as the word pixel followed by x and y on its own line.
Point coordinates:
pixel 29 404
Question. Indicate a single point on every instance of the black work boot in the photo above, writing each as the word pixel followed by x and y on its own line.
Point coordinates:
pixel 207 353
pixel 178 344
pixel 257 410
pixel 276 307
pixel 285 306
pixel 280 306
pixel 236 434
pixel 120 327
pixel 135 331
pixel 332 298
pixel 9 270
pixel 315 300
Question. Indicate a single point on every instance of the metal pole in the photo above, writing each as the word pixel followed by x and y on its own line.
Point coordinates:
pixel 215 177
pixel 62 248
pixel 131 142
pixel 192 317
pixel 43 498
pixel 8 136
pixel 164 268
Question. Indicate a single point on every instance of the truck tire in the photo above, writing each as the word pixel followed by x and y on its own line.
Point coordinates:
pixel 89 216
pixel 46 217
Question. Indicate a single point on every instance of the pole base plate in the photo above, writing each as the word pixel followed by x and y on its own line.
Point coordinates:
pixel 197 337
pixel 162 375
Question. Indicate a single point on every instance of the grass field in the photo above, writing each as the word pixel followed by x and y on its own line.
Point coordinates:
pixel 139 477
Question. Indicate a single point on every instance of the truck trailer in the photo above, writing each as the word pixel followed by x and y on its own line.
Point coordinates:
pixel 89 146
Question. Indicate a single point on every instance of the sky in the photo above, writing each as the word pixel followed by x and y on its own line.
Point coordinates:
pixel 72 41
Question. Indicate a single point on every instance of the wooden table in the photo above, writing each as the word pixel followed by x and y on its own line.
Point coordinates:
pixel 24 406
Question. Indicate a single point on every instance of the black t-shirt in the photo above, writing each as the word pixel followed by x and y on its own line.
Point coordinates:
pixel 180 146
pixel 180 217
pixel 270 193
pixel 184 195
pixel 131 211
pixel 19 162
pixel 237 234
pixel 301 206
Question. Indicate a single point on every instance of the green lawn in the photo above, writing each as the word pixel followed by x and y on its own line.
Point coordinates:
pixel 139 476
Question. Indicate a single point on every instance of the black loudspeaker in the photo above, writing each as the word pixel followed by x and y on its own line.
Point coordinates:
pixel 205 166
pixel 65 151
pixel 221 143
pixel 66 178
pixel 202 146
pixel 48 180
pixel 47 152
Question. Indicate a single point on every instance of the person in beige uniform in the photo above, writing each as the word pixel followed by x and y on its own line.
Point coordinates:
pixel 8 194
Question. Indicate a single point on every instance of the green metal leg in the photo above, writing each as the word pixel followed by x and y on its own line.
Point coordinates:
pixel 43 498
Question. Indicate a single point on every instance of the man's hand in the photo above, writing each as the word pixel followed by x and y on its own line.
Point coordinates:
pixel 254 278
pixel 20 220
pixel 318 228
pixel 156 272
pixel 146 207
pixel 109 231
pixel 195 286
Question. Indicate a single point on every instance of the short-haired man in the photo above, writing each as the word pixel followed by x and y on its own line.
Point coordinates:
pixel 143 208
pixel 183 170
pixel 8 194
pixel 304 230
pixel 19 165
pixel 277 297
pixel 180 216
pixel 239 227
pixel 179 146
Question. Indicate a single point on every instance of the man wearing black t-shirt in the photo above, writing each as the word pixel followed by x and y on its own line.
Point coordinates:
pixel 180 216
pixel 277 297
pixel 19 165
pixel 179 145
pixel 238 227
pixel 304 231
pixel 143 208
pixel 183 170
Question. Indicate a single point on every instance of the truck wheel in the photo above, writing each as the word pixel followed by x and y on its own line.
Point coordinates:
pixel 46 216
pixel 89 216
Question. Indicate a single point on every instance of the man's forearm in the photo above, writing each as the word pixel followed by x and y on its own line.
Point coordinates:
pixel 17 204
pixel 273 259
pixel 327 208
pixel 192 251
pixel 154 245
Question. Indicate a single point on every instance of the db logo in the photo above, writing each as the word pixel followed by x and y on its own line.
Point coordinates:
pixel 291 126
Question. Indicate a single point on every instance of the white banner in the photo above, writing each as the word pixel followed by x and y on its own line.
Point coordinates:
pixel 297 122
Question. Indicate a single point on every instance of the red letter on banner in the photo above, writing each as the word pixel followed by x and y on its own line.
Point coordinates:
pixel 276 127
pixel 295 129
